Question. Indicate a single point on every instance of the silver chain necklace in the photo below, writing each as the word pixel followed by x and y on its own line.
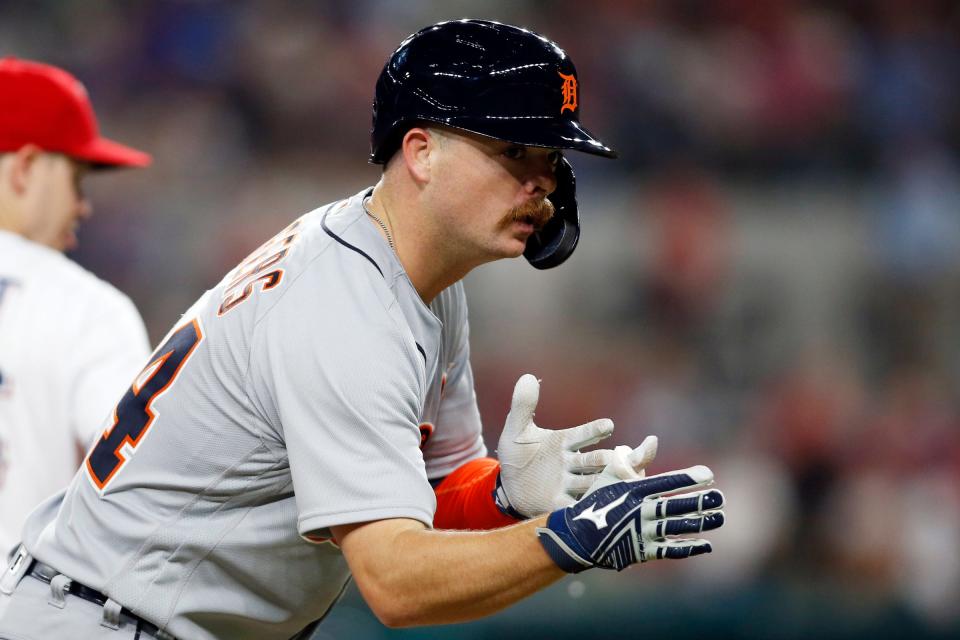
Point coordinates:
pixel 386 231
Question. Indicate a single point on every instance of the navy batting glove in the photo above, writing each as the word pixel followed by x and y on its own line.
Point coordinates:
pixel 623 523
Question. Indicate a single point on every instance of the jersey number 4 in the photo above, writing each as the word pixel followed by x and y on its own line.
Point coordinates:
pixel 133 415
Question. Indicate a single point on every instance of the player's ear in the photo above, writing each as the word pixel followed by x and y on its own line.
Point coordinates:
pixel 21 164
pixel 417 146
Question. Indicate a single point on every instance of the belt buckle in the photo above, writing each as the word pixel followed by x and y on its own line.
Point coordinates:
pixel 15 570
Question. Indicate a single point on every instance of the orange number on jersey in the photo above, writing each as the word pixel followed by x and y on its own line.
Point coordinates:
pixel 133 415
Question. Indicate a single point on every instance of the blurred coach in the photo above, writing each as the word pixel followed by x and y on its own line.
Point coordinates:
pixel 69 342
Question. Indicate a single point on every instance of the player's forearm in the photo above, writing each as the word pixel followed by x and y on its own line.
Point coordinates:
pixel 435 577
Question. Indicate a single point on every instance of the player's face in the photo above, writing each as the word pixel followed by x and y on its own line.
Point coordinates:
pixel 54 202
pixel 493 193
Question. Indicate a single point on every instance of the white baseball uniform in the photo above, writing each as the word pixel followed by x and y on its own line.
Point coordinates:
pixel 69 344
pixel 291 398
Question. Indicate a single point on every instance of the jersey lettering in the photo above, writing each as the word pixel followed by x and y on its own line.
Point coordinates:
pixel 255 267
pixel 133 415
pixel 426 430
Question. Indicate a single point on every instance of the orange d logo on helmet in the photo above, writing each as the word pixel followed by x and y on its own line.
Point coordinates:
pixel 569 90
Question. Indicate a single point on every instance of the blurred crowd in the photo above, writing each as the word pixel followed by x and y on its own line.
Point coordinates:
pixel 768 277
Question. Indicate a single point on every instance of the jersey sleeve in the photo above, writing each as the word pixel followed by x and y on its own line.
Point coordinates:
pixel 345 382
pixel 458 413
pixel 110 347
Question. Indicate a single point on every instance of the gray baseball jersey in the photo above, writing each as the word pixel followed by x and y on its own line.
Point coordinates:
pixel 298 394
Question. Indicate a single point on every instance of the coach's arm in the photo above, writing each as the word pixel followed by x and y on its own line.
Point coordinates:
pixel 411 575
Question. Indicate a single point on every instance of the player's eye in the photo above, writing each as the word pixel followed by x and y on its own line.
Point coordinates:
pixel 515 152
pixel 554 159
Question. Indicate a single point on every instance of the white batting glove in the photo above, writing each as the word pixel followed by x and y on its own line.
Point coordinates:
pixel 626 464
pixel 542 470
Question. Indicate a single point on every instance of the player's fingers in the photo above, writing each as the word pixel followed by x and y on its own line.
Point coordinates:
pixel 683 526
pixel 526 394
pixel 643 455
pixel 675 549
pixel 587 434
pixel 685 504
pixel 663 483
pixel 577 485
pixel 589 461
pixel 695 503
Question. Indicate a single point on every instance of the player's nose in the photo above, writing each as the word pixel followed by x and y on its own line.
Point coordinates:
pixel 84 209
pixel 542 179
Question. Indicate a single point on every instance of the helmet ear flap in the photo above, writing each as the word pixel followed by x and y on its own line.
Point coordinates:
pixel 552 245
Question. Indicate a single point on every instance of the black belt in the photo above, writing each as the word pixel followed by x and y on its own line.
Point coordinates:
pixel 46 573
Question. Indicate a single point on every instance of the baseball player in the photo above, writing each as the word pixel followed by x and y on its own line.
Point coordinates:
pixel 313 416
pixel 69 342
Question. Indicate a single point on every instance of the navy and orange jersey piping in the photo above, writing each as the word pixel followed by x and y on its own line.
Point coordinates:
pixel 323 223
pixel 342 242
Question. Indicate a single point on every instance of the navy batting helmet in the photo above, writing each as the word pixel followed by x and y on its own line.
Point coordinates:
pixel 495 80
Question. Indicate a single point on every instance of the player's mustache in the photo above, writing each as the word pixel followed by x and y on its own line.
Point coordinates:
pixel 537 212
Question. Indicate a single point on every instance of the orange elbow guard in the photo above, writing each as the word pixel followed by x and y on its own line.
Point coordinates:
pixel 465 498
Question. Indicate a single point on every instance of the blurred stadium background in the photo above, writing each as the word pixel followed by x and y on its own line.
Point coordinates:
pixel 768 278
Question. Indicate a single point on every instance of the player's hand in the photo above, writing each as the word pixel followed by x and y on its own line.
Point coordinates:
pixel 543 469
pixel 620 523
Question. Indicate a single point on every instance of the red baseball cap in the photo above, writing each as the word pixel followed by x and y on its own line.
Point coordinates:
pixel 46 106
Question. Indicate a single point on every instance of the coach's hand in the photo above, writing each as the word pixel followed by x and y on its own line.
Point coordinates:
pixel 543 469
pixel 619 523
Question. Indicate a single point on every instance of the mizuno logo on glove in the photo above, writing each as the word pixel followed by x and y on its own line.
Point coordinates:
pixel 599 517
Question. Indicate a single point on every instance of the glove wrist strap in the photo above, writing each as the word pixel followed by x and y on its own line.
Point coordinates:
pixel 556 544
pixel 503 503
